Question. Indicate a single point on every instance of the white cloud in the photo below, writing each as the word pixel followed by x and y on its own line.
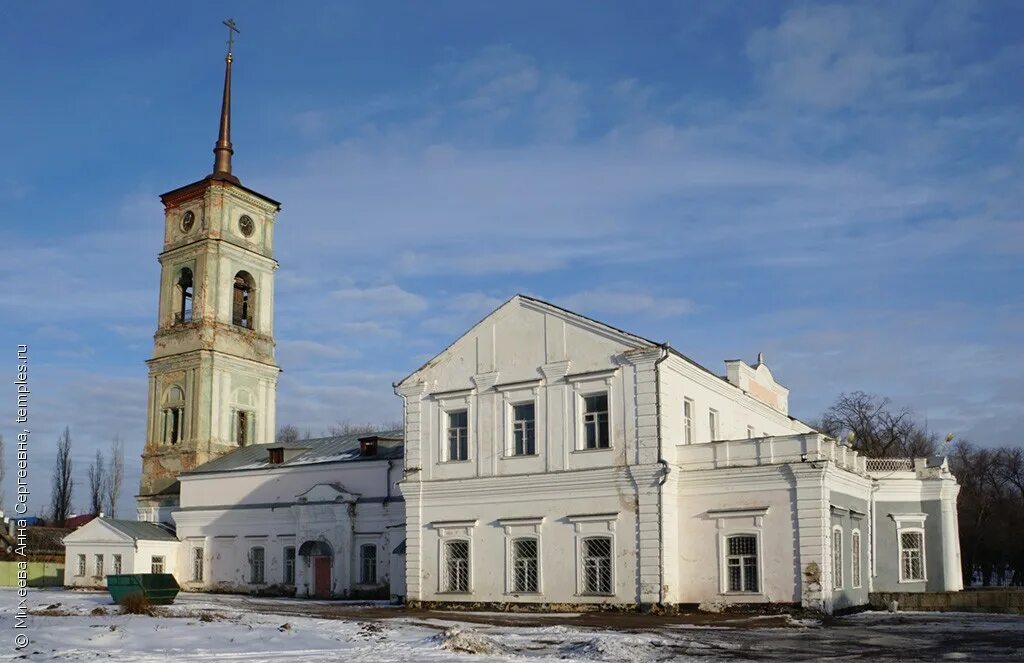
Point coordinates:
pixel 620 301
pixel 380 299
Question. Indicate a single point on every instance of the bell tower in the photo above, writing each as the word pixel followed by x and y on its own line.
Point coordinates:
pixel 212 376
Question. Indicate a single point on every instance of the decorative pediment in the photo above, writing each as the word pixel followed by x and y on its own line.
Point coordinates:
pixel 327 492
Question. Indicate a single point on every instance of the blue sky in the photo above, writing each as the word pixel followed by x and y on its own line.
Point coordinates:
pixel 836 185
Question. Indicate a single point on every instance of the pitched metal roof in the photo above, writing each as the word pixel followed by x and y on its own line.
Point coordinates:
pixel 141 531
pixel 334 449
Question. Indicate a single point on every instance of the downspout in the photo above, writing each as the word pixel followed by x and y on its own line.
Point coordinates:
pixel 391 463
pixel 664 474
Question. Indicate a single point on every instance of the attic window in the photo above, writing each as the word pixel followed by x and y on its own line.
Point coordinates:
pixel 368 446
pixel 276 456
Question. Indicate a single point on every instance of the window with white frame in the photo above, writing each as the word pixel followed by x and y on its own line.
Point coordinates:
pixel 523 429
pixel 687 421
pixel 524 565
pixel 855 558
pixel 289 565
pixel 81 566
pixel 456 566
pixel 257 565
pixel 117 564
pixel 741 563
pixel 597 565
pixel 368 564
pixel 156 564
pixel 750 432
pixel 197 564
pixel 595 421
pixel 713 424
pixel 458 435
pixel 911 555
pixel 99 566
pixel 837 557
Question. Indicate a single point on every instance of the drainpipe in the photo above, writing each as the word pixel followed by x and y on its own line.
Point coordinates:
pixel 664 474
pixel 391 463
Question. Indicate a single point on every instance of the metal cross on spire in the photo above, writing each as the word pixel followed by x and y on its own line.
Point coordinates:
pixel 232 29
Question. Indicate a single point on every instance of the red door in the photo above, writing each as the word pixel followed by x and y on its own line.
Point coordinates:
pixel 322 577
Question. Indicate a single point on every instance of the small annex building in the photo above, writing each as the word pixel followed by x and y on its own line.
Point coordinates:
pixel 108 546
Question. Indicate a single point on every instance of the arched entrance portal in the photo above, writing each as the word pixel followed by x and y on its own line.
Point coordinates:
pixel 320 558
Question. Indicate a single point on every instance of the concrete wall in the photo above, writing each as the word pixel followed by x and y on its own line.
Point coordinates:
pixel 850 515
pixel 888 562
pixel 1003 600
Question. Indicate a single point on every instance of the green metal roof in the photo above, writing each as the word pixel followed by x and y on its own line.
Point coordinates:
pixel 141 531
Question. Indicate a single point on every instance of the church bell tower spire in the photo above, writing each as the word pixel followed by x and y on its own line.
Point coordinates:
pixel 223 150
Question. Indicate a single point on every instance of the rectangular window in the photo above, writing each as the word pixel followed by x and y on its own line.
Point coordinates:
pixel 713 424
pixel 750 432
pixel 242 428
pixel 595 422
pixel 368 564
pixel 855 558
pixel 81 566
pixel 99 566
pixel 456 561
pixel 911 556
pixel 197 565
pixel 597 565
pixel 837 558
pixel 117 564
pixel 524 565
pixel 687 421
pixel 256 565
pixel 741 564
pixel 523 439
pixel 156 564
pixel 458 435
pixel 289 565
pixel 172 425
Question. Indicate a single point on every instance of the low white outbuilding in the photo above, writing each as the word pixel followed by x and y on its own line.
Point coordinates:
pixel 106 546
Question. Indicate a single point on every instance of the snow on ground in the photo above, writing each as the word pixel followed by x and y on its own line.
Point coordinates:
pixel 235 628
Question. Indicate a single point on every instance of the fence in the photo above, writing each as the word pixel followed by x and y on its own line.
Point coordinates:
pixel 40 574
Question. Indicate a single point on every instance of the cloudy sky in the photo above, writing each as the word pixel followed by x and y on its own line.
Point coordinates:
pixel 835 185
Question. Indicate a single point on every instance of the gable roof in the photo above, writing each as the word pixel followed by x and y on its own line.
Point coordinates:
pixel 639 340
pixel 333 449
pixel 140 531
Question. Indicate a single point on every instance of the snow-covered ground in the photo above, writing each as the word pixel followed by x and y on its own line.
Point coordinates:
pixel 233 628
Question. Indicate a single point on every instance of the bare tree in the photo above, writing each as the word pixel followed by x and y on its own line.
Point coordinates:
pixel 3 471
pixel 63 483
pixel 115 475
pixel 346 427
pixel 288 434
pixel 875 428
pixel 97 484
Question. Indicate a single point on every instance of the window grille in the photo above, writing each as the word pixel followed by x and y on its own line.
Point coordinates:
pixel 256 566
pixel 458 435
pixel 289 565
pixel 242 428
pixel 368 564
pixel 197 564
pixel 81 565
pixel 524 565
pixel 911 556
pixel 855 559
pixel 99 566
pixel 523 437
pixel 117 564
pixel 741 564
pixel 687 421
pixel 837 558
pixel 597 565
pixel 457 566
pixel 595 421
pixel 156 564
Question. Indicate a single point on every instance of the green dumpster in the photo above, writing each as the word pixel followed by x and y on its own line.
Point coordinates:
pixel 158 588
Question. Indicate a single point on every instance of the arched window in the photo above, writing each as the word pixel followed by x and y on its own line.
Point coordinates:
pixel 243 309
pixel 183 288
pixel 173 415
pixel 837 557
pixel 368 564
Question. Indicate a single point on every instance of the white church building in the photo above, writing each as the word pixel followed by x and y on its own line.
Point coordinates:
pixel 554 460
pixel 547 460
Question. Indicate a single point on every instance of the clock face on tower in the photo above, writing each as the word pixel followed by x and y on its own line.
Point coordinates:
pixel 187 221
pixel 246 225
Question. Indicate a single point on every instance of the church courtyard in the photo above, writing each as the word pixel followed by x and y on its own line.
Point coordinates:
pixel 84 626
